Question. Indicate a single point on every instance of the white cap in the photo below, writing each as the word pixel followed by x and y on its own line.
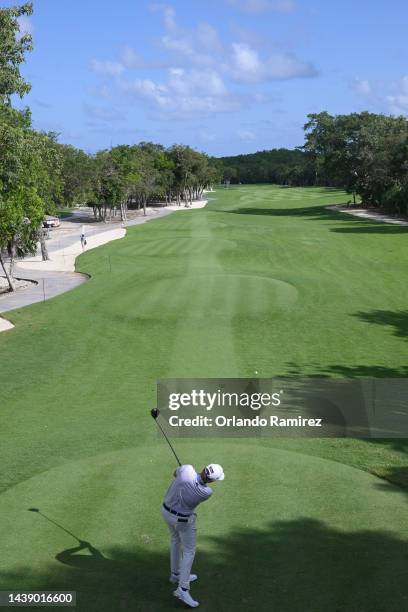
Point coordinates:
pixel 214 471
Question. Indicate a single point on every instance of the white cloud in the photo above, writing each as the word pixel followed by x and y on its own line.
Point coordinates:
pixel 381 96
pixel 168 14
pixel 204 69
pixel 149 90
pixel 186 92
pixel 285 66
pixel 264 6
pixel 246 66
pixel 181 45
pixel 362 86
pixel 208 39
pixel 107 67
pixel 196 45
pixel 245 60
pixel 130 59
pixel 205 82
pixel 241 61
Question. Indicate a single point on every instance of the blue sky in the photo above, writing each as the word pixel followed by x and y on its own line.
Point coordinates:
pixel 224 76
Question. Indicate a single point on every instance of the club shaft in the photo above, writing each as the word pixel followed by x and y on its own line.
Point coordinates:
pixel 58 525
pixel 168 441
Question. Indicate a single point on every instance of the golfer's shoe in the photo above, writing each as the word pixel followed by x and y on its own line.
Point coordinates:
pixel 185 597
pixel 174 578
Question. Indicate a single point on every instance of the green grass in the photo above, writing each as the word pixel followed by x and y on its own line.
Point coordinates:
pixel 265 279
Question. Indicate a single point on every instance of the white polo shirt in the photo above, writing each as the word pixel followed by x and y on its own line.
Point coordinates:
pixel 186 491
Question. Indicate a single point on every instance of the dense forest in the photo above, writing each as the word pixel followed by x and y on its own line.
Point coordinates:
pixel 281 166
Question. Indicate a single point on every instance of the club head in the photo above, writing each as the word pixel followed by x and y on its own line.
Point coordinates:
pixel 33 509
pixel 155 413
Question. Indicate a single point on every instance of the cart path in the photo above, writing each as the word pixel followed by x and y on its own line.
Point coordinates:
pixel 364 213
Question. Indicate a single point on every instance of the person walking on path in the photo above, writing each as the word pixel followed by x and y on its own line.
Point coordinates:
pixel 83 240
pixel 187 490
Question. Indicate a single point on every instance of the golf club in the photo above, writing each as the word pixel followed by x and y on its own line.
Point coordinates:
pixel 155 413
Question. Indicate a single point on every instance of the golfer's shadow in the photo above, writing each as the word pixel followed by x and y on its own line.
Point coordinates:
pixel 92 561
pixel 117 582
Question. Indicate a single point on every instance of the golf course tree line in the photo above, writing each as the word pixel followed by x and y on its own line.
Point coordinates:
pixel 132 176
pixel 29 159
pixel 38 175
pixel 292 167
pixel 364 153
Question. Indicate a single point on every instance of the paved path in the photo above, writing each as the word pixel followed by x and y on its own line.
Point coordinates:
pixel 365 213
pixel 48 285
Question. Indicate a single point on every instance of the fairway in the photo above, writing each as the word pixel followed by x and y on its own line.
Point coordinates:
pixel 263 279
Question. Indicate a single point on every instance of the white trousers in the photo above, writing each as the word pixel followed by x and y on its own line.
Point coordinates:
pixel 183 545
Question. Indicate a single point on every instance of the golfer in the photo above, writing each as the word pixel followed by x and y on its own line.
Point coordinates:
pixel 187 490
